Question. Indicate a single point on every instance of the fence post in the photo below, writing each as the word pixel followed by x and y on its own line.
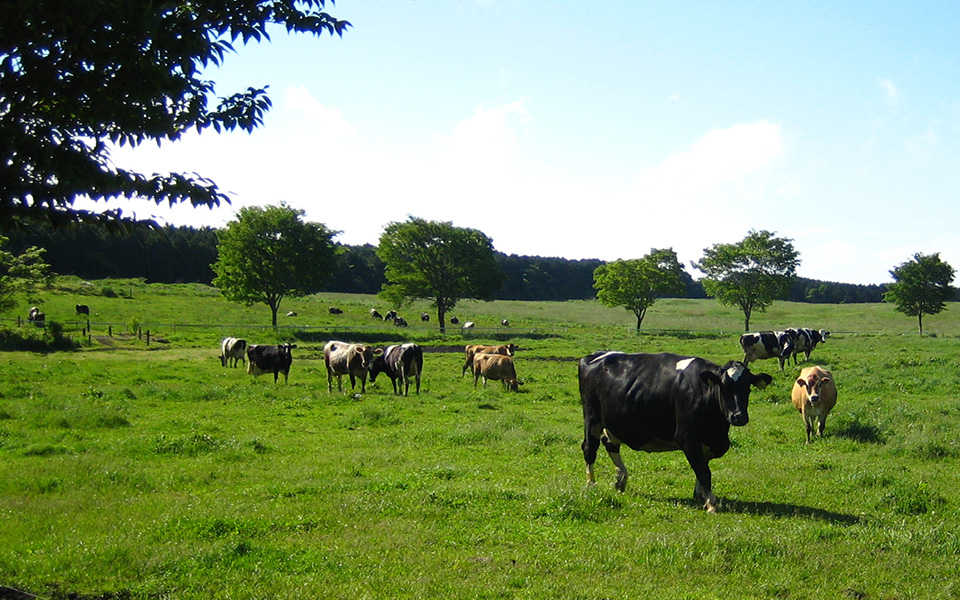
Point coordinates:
pixel 148 337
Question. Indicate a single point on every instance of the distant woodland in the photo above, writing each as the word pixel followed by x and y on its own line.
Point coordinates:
pixel 184 254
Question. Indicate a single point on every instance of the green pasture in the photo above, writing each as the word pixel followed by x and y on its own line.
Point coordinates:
pixel 146 470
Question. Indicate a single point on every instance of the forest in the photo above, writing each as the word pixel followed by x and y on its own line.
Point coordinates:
pixel 184 254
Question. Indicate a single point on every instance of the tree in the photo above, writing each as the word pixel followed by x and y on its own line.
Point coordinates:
pixel 76 77
pixel 750 274
pixel 637 284
pixel 20 274
pixel 436 261
pixel 270 253
pixel 921 286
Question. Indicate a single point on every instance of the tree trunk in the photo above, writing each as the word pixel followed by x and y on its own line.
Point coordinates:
pixel 920 322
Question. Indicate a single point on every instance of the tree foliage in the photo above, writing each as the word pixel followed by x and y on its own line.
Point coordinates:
pixel 637 284
pixel 269 253
pixel 20 274
pixel 436 261
pixel 921 286
pixel 750 274
pixel 78 77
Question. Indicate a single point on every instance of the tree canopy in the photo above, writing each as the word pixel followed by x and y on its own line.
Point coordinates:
pixel 20 274
pixel 921 286
pixel 78 77
pixel 750 274
pixel 637 284
pixel 436 261
pixel 269 253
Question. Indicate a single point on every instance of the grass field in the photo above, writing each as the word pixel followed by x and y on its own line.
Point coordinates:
pixel 130 470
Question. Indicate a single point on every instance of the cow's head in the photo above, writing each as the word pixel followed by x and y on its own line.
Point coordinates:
pixel 378 364
pixel 733 383
pixel 812 386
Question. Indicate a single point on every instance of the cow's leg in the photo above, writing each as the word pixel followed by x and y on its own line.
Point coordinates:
pixel 590 445
pixel 821 424
pixel 418 383
pixel 702 492
pixel 339 382
pixel 363 383
pixel 612 445
pixel 329 380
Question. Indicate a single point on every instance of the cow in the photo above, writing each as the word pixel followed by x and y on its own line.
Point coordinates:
pixel 277 359
pixel 766 344
pixel 342 358
pixel 497 367
pixel 400 322
pixel 814 395
pixel 235 348
pixel 470 350
pixel 390 316
pixel 36 317
pixel 83 309
pixel 454 321
pixel 375 314
pixel 291 314
pixel 468 325
pixel 424 317
pixel 505 323
pixel 400 363
pixel 663 402
pixel 333 310
pixel 805 340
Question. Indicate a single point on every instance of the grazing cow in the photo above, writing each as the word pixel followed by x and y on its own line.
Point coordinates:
pixel 291 314
pixel 454 321
pixel 400 322
pixel 374 313
pixel 468 325
pixel 342 359
pixel 83 309
pixel 814 394
pixel 335 311
pixel 505 323
pixel 235 348
pixel 424 317
pixel 390 316
pixel 766 344
pixel 497 367
pixel 36 317
pixel 270 359
pixel 399 363
pixel 662 402
pixel 471 350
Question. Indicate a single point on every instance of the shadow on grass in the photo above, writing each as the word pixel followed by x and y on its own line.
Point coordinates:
pixel 776 509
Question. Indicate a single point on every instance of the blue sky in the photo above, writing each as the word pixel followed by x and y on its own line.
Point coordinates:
pixel 603 130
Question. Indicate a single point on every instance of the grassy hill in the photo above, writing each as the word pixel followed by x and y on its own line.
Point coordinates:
pixel 135 470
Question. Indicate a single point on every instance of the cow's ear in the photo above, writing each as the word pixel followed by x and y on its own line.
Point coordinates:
pixel 801 383
pixel 825 380
pixel 710 378
pixel 378 352
pixel 761 380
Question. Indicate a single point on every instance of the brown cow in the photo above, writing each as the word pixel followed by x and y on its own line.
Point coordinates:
pixel 472 349
pixel 814 394
pixel 496 367
pixel 342 359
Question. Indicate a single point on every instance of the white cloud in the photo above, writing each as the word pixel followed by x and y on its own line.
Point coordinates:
pixel 891 95
pixel 326 121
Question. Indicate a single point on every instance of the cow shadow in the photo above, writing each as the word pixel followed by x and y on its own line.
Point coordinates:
pixel 776 509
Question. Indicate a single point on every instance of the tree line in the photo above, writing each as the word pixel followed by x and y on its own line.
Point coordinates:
pixel 185 255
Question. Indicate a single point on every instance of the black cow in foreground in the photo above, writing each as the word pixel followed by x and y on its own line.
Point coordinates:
pixel 663 402
pixel 400 363
pixel 270 359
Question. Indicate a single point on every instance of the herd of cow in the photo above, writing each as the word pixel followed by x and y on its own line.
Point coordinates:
pixel 650 402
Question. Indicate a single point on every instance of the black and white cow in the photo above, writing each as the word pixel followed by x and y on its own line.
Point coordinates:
pixel 375 314
pixel 663 402
pixel 766 344
pixel 83 309
pixel 233 348
pixel 805 340
pixel 400 363
pixel 270 359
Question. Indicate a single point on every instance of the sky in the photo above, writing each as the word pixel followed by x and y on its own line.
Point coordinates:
pixel 605 129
